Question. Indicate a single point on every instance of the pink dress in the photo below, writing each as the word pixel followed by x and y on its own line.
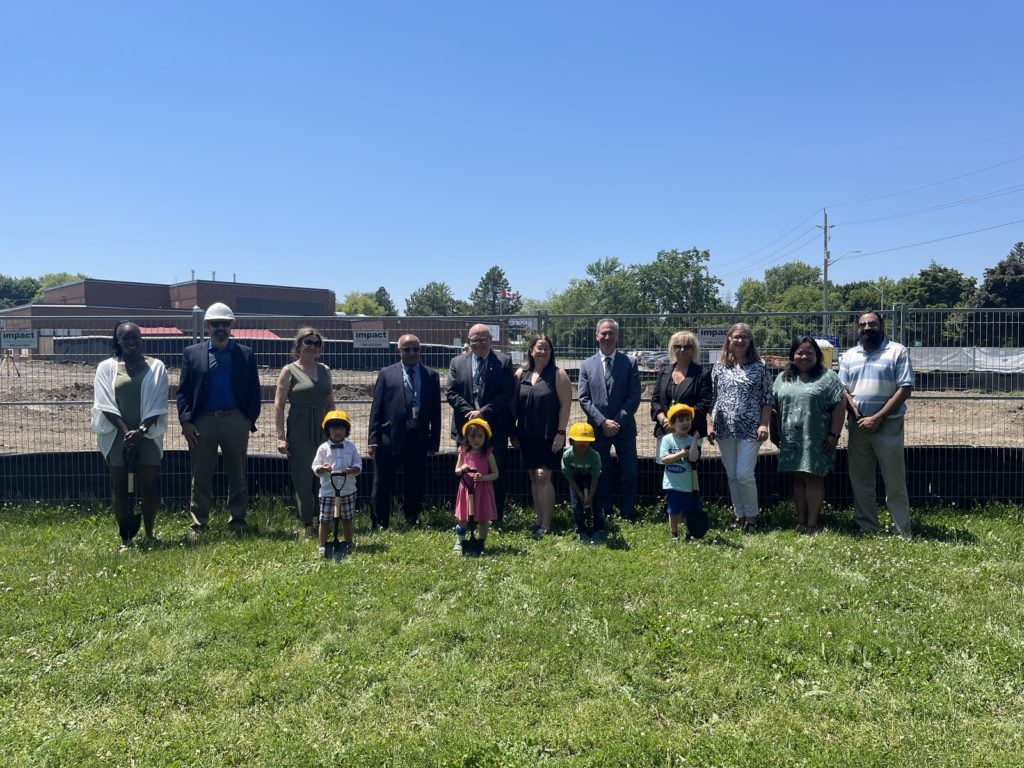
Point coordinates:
pixel 484 507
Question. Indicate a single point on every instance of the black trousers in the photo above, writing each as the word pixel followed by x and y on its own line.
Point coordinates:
pixel 412 460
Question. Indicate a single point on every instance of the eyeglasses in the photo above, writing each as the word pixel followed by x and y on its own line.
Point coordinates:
pixel 408 349
pixel 678 347
pixel 312 342
pixel 738 339
pixel 219 323
pixel 479 339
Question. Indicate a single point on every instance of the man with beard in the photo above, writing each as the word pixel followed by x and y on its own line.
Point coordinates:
pixel 218 405
pixel 879 378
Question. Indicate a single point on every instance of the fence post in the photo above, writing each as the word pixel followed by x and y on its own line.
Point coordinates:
pixel 542 321
pixel 899 321
pixel 197 324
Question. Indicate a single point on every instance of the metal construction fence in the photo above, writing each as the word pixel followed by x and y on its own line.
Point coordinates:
pixel 964 428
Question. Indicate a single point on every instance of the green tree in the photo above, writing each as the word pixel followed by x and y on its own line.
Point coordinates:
pixel 678 282
pixel 493 295
pixel 53 279
pixel 433 299
pixel 382 297
pixel 360 303
pixel 936 286
pixel 15 291
pixel 1003 284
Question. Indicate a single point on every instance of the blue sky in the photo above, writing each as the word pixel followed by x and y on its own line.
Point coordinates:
pixel 350 145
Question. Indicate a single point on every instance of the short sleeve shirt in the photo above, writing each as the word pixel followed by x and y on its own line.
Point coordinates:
pixel 678 475
pixel 573 466
pixel 873 377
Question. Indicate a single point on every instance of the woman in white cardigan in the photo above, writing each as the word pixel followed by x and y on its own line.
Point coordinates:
pixel 129 417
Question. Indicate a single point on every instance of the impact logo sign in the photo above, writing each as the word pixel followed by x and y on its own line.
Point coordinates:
pixel 370 339
pixel 19 339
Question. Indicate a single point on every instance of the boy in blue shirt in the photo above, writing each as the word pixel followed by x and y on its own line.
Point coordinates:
pixel 679 452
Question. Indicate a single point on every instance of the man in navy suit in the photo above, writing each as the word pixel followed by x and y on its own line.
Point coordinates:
pixel 482 385
pixel 405 428
pixel 609 392
pixel 218 405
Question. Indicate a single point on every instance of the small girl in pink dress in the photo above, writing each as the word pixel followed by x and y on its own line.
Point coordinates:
pixel 477 470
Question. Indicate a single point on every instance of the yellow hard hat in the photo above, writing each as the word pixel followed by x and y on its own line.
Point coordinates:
pixel 581 432
pixel 477 422
pixel 680 409
pixel 336 416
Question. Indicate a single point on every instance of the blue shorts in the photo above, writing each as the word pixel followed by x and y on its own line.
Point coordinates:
pixel 688 504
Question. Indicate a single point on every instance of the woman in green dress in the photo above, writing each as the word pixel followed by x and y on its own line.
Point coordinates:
pixel 129 418
pixel 810 401
pixel 305 386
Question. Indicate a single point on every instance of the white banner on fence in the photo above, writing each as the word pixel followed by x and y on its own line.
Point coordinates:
pixel 711 341
pixel 19 339
pixel 377 339
pixel 987 359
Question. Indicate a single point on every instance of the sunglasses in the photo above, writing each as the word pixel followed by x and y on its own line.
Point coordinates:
pixel 312 343
pixel 408 349
pixel 219 323
pixel 678 347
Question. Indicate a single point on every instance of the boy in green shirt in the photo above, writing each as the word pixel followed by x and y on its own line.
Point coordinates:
pixel 581 465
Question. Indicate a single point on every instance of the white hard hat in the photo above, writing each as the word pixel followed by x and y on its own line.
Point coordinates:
pixel 219 311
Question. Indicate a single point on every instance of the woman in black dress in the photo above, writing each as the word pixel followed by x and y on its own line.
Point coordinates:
pixel 682 380
pixel 543 400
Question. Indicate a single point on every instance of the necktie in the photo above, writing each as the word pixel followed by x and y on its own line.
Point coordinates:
pixel 478 379
pixel 608 374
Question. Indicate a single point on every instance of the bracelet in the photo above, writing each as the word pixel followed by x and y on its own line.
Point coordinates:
pixel 560 432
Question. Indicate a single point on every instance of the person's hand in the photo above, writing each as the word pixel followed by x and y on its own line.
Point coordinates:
pixel 188 429
pixel 711 436
pixel 473 415
pixel 610 427
pixel 762 433
pixel 515 442
pixel 282 446
pixel 371 451
pixel 325 467
pixel 558 443
pixel 350 470
pixel 830 442
pixel 868 423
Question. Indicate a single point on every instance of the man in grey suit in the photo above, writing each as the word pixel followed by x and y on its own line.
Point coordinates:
pixel 609 392
pixel 405 428
pixel 482 385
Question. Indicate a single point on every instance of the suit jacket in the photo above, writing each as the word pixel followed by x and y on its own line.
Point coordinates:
pixel 695 390
pixel 621 403
pixel 389 410
pixel 496 402
pixel 195 381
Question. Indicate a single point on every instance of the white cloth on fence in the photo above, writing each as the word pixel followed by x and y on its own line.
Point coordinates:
pixel 154 402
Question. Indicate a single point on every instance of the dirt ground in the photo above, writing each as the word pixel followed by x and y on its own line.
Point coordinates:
pixel 46 408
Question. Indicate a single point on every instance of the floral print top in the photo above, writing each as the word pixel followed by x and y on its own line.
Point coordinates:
pixel 738 394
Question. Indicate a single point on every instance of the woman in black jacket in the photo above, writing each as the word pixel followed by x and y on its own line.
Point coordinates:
pixel 682 380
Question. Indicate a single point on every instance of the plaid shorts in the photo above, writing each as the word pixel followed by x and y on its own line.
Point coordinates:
pixel 348 506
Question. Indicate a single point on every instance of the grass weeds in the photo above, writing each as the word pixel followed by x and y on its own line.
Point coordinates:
pixel 766 650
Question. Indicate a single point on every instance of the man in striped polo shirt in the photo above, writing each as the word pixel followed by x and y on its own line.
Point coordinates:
pixel 878 375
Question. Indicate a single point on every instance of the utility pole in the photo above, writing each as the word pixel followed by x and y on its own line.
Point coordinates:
pixel 824 274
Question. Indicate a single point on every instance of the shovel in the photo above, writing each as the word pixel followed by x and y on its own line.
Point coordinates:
pixel 129 454
pixel 471 545
pixel 333 550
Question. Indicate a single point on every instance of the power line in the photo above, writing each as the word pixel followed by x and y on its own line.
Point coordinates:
pixel 937 207
pixel 813 236
pixel 932 184
pixel 938 239
pixel 773 242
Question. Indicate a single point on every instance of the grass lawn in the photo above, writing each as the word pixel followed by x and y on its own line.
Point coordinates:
pixel 766 650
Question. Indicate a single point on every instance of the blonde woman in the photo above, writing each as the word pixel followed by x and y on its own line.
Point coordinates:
pixel 682 380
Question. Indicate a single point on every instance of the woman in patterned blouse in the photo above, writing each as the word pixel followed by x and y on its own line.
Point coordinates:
pixel 742 393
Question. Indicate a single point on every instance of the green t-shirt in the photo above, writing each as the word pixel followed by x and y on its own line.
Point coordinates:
pixel 573 465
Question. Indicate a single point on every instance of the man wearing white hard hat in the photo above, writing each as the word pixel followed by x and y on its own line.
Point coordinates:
pixel 218 405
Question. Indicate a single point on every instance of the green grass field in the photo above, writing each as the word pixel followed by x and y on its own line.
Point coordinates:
pixel 766 650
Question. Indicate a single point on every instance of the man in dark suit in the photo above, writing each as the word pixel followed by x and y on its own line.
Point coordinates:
pixel 218 405
pixel 482 385
pixel 609 392
pixel 405 428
